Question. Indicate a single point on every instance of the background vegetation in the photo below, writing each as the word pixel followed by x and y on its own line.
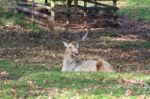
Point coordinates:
pixel 136 9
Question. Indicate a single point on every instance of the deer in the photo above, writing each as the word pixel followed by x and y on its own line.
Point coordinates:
pixel 72 62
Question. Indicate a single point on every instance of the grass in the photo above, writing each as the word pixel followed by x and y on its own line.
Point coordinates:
pixel 139 9
pixel 135 44
pixel 33 81
pixel 140 43
pixel 8 18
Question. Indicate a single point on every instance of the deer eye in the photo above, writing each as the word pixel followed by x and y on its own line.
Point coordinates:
pixel 70 47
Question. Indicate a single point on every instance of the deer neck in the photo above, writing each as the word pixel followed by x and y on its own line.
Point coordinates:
pixel 69 63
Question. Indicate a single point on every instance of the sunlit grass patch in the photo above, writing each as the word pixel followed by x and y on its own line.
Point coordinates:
pixel 35 81
pixel 121 42
pixel 134 44
pixel 18 70
pixel 136 9
pixel 73 84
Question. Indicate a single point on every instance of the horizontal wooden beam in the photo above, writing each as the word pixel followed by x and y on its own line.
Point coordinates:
pixel 36 4
pixel 43 6
pixel 101 4
pixel 32 12
pixel 92 8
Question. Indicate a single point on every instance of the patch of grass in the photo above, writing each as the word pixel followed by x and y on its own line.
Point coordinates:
pixel 136 9
pixel 40 1
pixel 134 44
pixel 35 81
pixel 124 44
pixel 11 19
pixel 4 5
pixel 18 70
pixel 8 18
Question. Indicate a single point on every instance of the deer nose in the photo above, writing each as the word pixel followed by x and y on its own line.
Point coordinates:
pixel 77 53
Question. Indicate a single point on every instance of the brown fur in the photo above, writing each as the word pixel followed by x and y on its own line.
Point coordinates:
pixel 99 65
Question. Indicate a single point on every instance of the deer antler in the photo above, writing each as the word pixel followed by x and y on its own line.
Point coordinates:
pixel 84 38
pixel 65 40
pixel 69 36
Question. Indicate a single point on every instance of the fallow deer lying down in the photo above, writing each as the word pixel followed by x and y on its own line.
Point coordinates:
pixel 71 62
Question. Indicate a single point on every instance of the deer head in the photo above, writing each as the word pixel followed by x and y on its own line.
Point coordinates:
pixel 73 46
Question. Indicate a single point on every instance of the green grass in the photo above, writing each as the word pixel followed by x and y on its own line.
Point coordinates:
pixel 141 43
pixel 134 44
pixel 33 81
pixel 8 18
pixel 136 9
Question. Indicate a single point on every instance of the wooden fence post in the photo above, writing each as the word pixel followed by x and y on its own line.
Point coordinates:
pixel 76 5
pixel 14 6
pixel 51 19
pixel 46 2
pixel 33 14
pixel 68 11
pixel 115 11
pixel 95 6
pixel 115 3
pixel 32 8
pixel 52 11
pixel 85 12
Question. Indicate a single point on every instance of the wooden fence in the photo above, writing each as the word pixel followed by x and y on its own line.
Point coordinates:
pixel 19 5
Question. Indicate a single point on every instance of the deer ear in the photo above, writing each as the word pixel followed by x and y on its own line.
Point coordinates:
pixel 77 45
pixel 65 43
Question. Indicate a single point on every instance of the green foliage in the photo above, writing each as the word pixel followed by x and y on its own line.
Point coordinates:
pixel 136 9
